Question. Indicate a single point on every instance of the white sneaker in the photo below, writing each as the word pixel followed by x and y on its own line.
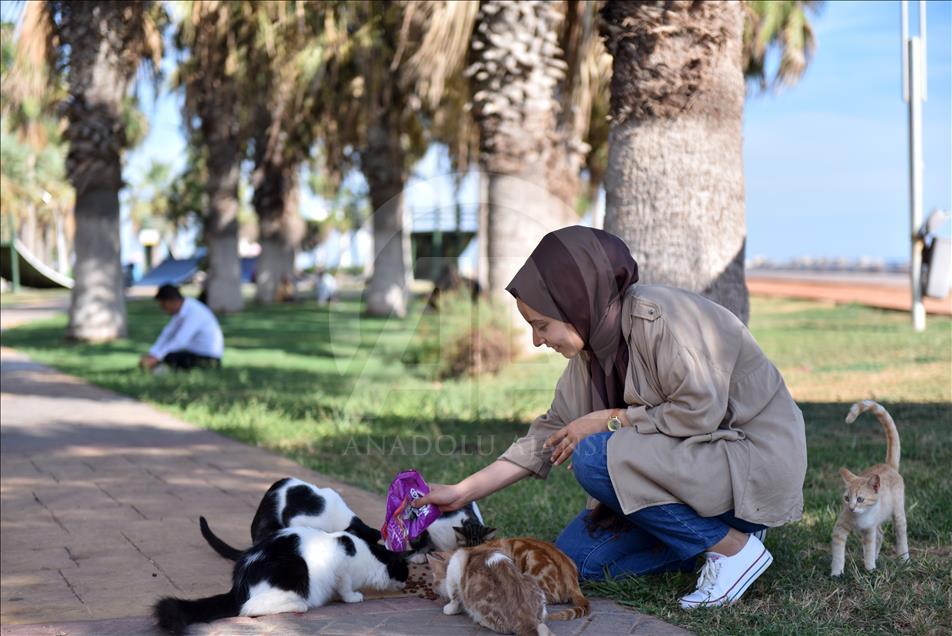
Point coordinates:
pixel 724 579
pixel 760 534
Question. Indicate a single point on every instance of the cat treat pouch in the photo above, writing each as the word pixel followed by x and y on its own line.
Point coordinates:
pixel 403 522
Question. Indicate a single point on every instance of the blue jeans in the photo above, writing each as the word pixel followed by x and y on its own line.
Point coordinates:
pixel 665 538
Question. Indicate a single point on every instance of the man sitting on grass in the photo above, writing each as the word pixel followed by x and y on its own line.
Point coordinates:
pixel 191 339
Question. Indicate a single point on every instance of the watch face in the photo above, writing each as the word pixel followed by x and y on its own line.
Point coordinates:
pixel 614 424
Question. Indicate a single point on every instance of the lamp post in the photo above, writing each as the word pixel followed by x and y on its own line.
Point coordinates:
pixel 914 93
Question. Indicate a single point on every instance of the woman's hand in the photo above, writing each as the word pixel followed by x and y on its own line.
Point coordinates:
pixel 445 497
pixel 568 437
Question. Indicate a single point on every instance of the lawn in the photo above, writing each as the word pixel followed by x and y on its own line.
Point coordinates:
pixel 328 389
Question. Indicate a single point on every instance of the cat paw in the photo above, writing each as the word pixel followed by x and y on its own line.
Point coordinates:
pixel 451 608
pixel 353 597
pixel 836 573
pixel 417 557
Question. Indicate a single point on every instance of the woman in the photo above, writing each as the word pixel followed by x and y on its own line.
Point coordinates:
pixel 672 417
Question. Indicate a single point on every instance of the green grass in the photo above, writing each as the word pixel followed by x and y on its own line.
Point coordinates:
pixel 327 389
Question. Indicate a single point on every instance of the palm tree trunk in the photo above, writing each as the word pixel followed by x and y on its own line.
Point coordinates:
pixel 97 310
pixel 96 35
pixel 280 228
pixel 516 71
pixel 221 225
pixel 516 109
pixel 675 183
pixel 383 166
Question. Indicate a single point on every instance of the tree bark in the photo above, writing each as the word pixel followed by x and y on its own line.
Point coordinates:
pixel 97 311
pixel 516 70
pixel 97 36
pixel 221 225
pixel 383 166
pixel 675 183
pixel 280 228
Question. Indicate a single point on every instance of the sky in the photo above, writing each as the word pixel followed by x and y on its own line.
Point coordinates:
pixel 825 161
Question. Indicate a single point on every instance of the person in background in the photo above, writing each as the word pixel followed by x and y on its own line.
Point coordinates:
pixel 326 289
pixel 191 339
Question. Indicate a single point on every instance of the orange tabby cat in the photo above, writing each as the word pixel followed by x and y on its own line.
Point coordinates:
pixel 487 584
pixel 871 498
pixel 551 569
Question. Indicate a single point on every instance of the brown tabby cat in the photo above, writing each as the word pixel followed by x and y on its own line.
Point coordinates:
pixel 486 583
pixel 551 569
pixel 872 497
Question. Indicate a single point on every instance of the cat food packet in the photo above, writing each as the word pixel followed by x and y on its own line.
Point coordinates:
pixel 403 522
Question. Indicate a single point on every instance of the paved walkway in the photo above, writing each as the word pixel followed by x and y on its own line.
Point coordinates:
pixel 99 501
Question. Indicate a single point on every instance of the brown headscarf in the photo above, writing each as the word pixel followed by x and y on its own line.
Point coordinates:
pixel 579 275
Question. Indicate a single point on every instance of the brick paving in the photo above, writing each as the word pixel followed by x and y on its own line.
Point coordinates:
pixel 99 502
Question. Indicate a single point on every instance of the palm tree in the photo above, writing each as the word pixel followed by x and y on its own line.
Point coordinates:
pixel 377 117
pixel 217 39
pixel 675 184
pixel 516 71
pixel 535 80
pixel 98 47
pixel 294 49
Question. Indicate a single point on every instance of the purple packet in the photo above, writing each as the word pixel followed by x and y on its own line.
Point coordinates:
pixel 403 522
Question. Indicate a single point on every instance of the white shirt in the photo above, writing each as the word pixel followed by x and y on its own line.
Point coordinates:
pixel 326 288
pixel 194 328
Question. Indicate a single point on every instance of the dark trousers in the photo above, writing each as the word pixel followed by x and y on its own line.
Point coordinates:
pixel 185 360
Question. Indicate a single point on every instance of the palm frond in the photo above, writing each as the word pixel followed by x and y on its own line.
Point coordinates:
pixel 447 28
pixel 782 25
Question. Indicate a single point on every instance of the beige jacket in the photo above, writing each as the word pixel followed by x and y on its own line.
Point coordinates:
pixel 713 425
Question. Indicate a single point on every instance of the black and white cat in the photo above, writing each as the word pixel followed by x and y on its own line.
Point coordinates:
pixel 463 528
pixel 292 503
pixel 292 570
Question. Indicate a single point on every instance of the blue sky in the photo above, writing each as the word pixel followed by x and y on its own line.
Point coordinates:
pixel 825 162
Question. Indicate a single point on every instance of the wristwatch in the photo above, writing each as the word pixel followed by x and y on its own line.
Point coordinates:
pixel 614 422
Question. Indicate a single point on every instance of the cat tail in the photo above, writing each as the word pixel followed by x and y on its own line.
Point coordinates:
pixel 886 421
pixel 174 615
pixel 582 608
pixel 362 530
pixel 217 544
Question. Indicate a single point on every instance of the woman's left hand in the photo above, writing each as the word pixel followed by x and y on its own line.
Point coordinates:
pixel 568 437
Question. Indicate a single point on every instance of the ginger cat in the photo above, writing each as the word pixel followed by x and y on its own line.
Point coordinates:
pixel 871 498
pixel 486 583
pixel 553 571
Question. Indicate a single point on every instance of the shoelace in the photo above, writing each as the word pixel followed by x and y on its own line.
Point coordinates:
pixel 705 582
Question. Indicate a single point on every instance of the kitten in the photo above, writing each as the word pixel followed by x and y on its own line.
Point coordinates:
pixel 488 585
pixel 291 571
pixel 553 571
pixel 871 498
pixel 291 502
pixel 463 528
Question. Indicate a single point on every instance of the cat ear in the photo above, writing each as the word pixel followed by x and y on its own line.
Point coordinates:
pixel 874 483
pixel 436 556
pixel 490 534
pixel 847 475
